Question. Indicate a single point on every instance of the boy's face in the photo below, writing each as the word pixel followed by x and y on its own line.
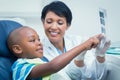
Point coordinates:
pixel 30 44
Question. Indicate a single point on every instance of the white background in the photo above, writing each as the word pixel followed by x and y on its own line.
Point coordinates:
pixel 85 15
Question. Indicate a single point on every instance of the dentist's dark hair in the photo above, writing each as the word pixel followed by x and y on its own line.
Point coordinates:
pixel 60 9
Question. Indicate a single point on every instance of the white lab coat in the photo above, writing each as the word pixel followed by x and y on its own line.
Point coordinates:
pixel 92 69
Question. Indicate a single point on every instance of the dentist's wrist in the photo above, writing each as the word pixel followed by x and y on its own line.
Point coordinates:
pixel 100 59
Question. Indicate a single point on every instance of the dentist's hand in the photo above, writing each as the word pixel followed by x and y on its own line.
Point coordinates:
pixel 102 46
pixel 92 42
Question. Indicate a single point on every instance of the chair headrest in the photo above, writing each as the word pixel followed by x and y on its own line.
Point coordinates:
pixel 6 26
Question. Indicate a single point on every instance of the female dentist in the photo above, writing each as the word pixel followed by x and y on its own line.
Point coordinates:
pixel 56 18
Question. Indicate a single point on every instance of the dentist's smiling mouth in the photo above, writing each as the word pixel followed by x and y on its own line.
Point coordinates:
pixel 54 33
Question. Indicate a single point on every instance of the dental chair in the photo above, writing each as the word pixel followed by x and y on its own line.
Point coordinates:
pixel 6 57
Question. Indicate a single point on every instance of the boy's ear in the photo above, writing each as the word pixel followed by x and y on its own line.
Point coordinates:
pixel 17 49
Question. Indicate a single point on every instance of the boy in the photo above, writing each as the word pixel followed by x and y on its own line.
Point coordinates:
pixel 24 42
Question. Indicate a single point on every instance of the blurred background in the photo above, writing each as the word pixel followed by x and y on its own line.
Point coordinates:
pixel 86 15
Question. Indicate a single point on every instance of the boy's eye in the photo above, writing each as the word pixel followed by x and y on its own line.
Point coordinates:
pixel 32 40
pixel 38 39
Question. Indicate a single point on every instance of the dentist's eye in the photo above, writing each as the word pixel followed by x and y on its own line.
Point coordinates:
pixel 60 22
pixel 49 21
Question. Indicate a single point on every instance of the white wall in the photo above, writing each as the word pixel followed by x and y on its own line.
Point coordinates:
pixel 29 10
pixel 20 7
pixel 113 18
pixel 85 15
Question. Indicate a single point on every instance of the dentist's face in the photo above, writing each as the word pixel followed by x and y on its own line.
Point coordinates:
pixel 55 27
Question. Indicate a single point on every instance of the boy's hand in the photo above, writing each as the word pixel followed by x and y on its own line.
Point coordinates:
pixel 92 42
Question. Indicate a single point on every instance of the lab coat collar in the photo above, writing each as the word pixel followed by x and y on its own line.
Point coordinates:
pixel 48 44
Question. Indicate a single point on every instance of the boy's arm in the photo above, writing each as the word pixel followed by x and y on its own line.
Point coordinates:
pixel 61 61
